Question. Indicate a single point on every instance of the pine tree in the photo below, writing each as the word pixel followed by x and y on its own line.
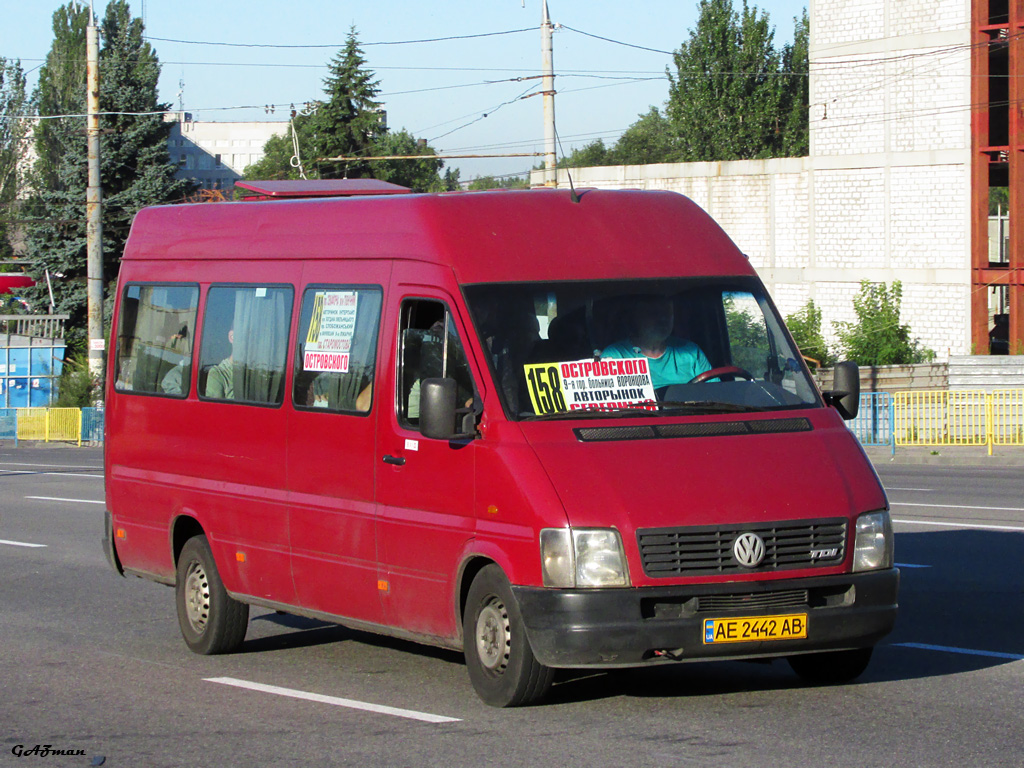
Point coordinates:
pixel 349 122
pixel 136 169
pixel 56 238
pixel 134 161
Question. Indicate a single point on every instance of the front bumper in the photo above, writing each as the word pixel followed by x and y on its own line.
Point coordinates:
pixel 631 627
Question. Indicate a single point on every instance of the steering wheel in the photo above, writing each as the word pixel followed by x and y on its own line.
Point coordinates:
pixel 730 371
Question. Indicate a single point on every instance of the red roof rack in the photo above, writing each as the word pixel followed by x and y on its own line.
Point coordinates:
pixel 278 190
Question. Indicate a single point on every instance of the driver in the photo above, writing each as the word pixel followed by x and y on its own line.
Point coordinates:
pixel 672 360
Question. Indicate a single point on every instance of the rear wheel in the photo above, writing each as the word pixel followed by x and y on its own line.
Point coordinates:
pixel 211 621
pixel 501 664
pixel 831 667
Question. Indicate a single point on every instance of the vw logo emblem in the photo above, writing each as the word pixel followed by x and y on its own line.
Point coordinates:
pixel 748 549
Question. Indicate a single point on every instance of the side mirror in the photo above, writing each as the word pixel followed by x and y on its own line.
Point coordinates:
pixel 438 410
pixel 845 393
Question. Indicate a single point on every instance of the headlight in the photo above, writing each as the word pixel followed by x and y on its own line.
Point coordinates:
pixel 584 557
pixel 872 548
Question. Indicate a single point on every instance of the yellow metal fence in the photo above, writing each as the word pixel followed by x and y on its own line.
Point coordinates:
pixel 57 424
pixel 959 417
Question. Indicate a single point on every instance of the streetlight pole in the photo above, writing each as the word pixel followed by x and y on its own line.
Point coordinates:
pixel 94 205
pixel 550 172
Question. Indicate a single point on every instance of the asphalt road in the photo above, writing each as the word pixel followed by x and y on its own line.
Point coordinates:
pixel 93 663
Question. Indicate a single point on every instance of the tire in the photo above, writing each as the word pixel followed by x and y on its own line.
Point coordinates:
pixel 211 621
pixel 501 664
pixel 831 667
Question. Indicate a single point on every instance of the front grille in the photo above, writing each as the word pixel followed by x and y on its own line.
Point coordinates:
pixel 697 550
pixel 757 601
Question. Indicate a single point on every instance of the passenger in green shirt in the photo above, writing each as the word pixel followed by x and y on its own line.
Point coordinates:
pixel 671 360
pixel 220 382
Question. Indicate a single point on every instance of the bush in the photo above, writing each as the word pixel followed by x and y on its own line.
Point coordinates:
pixel 76 388
pixel 805 325
pixel 878 337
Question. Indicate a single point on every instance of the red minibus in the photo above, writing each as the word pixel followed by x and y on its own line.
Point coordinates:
pixel 550 429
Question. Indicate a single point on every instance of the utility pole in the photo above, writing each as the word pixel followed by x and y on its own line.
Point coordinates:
pixel 550 173
pixel 94 204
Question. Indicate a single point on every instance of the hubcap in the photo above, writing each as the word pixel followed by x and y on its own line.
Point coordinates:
pixel 197 597
pixel 493 636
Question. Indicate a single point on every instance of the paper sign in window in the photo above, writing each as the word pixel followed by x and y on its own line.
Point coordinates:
pixel 329 341
pixel 588 384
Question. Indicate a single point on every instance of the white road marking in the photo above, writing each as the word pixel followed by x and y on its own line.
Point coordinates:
pixel 50 466
pixel 36 473
pixel 425 717
pixel 929 490
pixel 967 651
pixel 947 524
pixel 21 544
pixel 73 501
pixel 956 506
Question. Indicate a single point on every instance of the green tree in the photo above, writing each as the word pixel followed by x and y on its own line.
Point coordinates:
pixel 136 169
pixel 13 140
pixel 648 140
pixel 794 83
pixel 594 153
pixel 418 175
pixel 725 100
pixel 276 162
pixel 55 238
pixel 61 91
pixel 878 337
pixel 500 182
pixel 135 166
pixel 349 122
pixel 805 325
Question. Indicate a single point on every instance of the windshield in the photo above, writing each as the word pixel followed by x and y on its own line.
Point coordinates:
pixel 572 350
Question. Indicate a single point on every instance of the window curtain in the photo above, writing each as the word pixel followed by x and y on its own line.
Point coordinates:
pixel 261 325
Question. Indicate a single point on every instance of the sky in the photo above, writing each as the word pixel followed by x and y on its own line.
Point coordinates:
pixel 462 95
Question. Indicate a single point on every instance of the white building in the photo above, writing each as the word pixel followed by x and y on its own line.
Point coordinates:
pixel 216 154
pixel 886 191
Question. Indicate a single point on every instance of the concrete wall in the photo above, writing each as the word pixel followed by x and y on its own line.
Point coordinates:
pixel 895 378
pixel 885 192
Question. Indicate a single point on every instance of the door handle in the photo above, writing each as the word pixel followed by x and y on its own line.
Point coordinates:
pixel 398 461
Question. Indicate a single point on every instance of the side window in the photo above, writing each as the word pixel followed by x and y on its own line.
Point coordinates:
pixel 245 344
pixel 337 348
pixel 154 339
pixel 748 335
pixel 429 348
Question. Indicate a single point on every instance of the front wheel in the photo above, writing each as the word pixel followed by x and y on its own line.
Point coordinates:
pixel 501 664
pixel 211 620
pixel 831 667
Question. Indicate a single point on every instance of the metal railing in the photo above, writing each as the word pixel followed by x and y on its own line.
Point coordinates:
pixel 874 423
pixel 74 425
pixel 930 418
pixel 960 417
pixel 33 326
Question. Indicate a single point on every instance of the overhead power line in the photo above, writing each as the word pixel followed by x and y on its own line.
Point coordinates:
pixel 616 42
pixel 341 45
